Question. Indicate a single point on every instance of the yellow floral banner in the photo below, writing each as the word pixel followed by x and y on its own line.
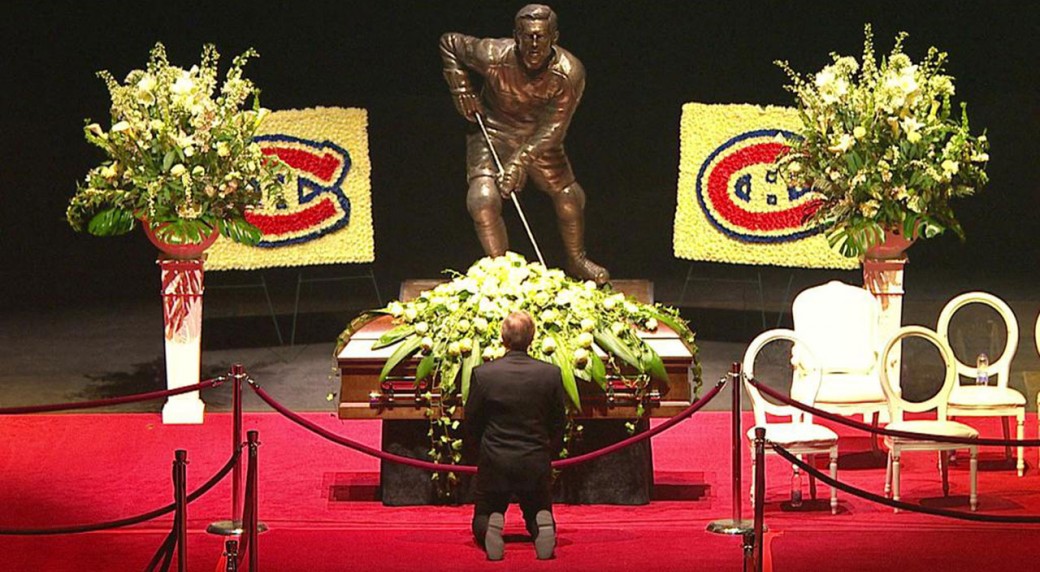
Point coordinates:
pixel 328 218
pixel 732 205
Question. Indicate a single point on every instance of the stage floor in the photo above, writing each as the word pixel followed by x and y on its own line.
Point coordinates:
pixel 317 499
pixel 102 349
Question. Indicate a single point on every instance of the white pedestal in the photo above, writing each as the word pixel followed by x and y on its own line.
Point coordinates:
pixel 884 279
pixel 182 317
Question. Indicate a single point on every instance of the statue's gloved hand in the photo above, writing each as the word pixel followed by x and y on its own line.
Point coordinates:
pixel 468 105
pixel 512 179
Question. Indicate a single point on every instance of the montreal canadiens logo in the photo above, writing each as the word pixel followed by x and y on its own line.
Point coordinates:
pixel 740 191
pixel 320 205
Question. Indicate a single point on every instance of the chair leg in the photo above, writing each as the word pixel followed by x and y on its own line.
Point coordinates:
pixel 1020 433
pixel 888 474
pixel 895 475
pixel 812 479
pixel 944 472
pixel 873 436
pixel 973 498
pixel 751 493
pixel 1006 423
pixel 834 475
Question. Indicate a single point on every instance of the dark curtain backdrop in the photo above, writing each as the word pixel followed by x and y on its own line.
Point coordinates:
pixel 644 60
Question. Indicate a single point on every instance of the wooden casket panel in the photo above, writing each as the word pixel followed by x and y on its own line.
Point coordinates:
pixel 363 397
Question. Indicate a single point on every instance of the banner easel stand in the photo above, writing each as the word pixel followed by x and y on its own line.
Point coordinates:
pixel 367 274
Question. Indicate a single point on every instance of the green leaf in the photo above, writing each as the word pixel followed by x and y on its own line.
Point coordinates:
pixel 608 341
pixel 425 367
pixel 654 364
pixel 403 351
pixel 448 372
pixel 393 336
pixel 598 370
pixel 240 230
pixel 111 222
pixel 562 358
pixel 472 361
pixel 676 324
pixel 168 159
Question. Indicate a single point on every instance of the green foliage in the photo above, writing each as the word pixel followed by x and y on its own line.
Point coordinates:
pixel 180 152
pixel 880 149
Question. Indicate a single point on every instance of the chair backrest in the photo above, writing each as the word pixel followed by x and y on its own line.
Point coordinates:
pixel 1002 366
pixel 894 394
pixel 804 392
pixel 840 322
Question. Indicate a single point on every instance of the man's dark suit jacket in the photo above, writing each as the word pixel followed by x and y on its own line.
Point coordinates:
pixel 516 411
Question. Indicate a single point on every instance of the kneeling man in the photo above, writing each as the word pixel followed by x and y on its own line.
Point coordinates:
pixel 515 411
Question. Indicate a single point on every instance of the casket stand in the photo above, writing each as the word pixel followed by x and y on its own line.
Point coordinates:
pixel 624 477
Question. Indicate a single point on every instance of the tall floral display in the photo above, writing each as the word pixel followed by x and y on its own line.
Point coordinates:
pixel 881 148
pixel 884 153
pixel 182 162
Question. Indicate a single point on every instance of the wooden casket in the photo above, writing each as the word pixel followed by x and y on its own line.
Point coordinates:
pixel 398 397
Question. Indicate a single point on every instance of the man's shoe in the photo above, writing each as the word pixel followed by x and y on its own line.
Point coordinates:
pixel 545 541
pixel 494 545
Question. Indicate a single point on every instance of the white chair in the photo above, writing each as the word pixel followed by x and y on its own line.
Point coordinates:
pixel 997 400
pixel 839 323
pixel 941 425
pixel 799 435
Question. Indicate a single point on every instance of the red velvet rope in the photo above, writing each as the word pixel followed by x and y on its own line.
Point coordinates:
pixel 892 432
pixel 825 478
pixel 205 488
pixel 112 401
pixel 438 467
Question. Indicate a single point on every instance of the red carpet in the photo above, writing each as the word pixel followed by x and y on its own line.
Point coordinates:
pixel 73 469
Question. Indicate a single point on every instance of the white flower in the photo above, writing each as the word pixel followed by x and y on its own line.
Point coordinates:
pixel 584 340
pixel 859 132
pixel 651 325
pixel 548 316
pixel 617 328
pixel 843 144
pixel 480 324
pixel 950 168
pixel 609 303
pixel 410 314
pixel 198 171
pixel 426 343
pixel 466 345
pixel 581 357
pixel 120 127
pixel 980 157
pixel 421 328
pixel 178 170
pixel 395 308
pixel 183 85
pixel 222 149
pixel 548 345
pixel 454 349
pixel 462 325
pixel 588 324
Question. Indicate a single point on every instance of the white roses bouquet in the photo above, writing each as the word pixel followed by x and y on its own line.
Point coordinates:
pixel 880 148
pixel 181 154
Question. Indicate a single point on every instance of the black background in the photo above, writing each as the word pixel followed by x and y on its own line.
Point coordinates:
pixel 644 60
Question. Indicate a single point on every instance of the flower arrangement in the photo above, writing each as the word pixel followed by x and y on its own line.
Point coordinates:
pixel 181 154
pixel 880 147
pixel 457 326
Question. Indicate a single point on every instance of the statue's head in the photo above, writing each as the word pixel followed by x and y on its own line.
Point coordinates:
pixel 535 33
pixel 517 331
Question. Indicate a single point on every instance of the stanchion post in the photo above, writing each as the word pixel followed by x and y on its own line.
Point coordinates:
pixel 735 525
pixel 252 438
pixel 760 494
pixel 180 496
pixel 233 526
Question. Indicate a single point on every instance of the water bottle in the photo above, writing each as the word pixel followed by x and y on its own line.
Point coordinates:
pixel 982 370
pixel 796 489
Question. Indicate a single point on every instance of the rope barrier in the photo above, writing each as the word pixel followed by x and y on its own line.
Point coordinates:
pixel 874 497
pixel 112 401
pixel 205 488
pixel 470 469
pixel 891 432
